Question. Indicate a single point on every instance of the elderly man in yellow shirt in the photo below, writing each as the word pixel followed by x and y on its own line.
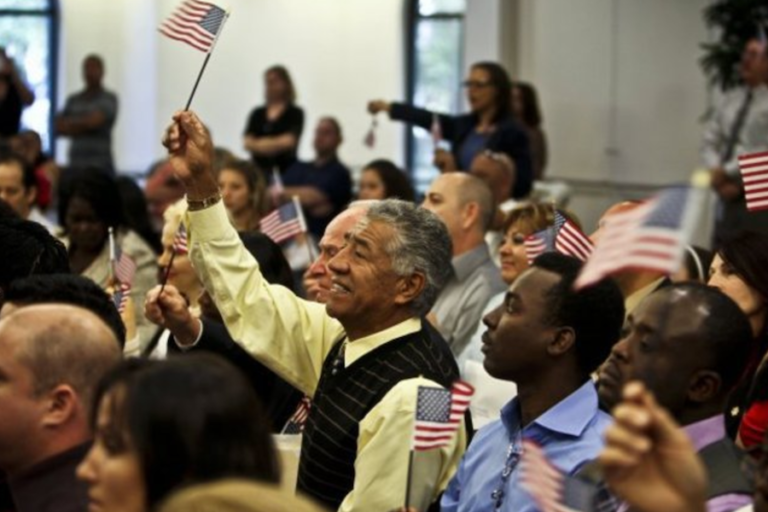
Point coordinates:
pixel 361 357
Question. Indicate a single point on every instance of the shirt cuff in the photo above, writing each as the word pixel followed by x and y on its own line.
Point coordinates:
pixel 210 224
pixel 185 348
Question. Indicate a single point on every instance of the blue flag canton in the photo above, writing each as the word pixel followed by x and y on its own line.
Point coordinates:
pixel 212 21
pixel 433 405
pixel 669 209
pixel 287 212
pixel 559 221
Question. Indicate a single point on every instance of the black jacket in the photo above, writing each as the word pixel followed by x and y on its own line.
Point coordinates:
pixel 509 137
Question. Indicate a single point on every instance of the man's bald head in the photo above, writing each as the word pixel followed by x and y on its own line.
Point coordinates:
pixel 317 278
pixel 61 344
pixel 52 358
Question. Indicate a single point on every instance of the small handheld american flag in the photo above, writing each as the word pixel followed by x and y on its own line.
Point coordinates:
pixel 438 414
pixel 283 223
pixel 754 174
pixel 649 237
pixel 550 488
pixel 120 296
pixel 196 23
pixel 370 137
pixel 436 131
pixel 564 237
pixel 180 240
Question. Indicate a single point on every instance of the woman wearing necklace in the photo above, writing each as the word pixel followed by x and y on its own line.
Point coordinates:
pixel 489 124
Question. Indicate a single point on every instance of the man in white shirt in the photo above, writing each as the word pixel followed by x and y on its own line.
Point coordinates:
pixel 18 188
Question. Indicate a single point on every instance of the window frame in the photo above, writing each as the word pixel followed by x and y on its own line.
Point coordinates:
pixel 413 18
pixel 53 15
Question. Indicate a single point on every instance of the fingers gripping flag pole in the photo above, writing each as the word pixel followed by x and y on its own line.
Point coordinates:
pixel 199 24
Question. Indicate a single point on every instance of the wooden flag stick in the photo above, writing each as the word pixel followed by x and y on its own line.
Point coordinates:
pixel 167 271
pixel 408 483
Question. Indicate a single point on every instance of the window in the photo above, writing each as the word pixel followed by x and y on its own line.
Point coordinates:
pixel 435 67
pixel 29 31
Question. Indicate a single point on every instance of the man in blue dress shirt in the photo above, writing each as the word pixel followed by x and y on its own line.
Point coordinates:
pixel 548 339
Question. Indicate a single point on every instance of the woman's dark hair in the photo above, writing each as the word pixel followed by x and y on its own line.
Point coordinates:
pixel 285 76
pixel 96 188
pixel 190 419
pixel 396 182
pixel 499 80
pixel 136 212
pixel 746 253
pixel 272 263
pixel 531 114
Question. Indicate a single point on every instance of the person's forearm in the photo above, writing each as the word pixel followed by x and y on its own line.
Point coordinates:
pixel 310 197
pixel 270 146
pixel 25 93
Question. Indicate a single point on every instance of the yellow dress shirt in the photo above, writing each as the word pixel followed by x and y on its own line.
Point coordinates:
pixel 292 337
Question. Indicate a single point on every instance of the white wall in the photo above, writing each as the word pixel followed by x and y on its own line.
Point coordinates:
pixel 341 53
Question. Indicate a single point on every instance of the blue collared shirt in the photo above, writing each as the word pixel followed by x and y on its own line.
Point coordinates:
pixel 571 434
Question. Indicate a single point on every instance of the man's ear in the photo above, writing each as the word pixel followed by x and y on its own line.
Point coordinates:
pixel 31 196
pixel 704 386
pixel 562 342
pixel 409 288
pixel 62 404
pixel 470 214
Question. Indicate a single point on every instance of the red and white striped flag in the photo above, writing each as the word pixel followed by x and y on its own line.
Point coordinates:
pixel 537 244
pixel 296 422
pixel 180 242
pixel 550 488
pixel 370 137
pixel 649 237
pixel 438 414
pixel 754 174
pixel 283 223
pixel 120 296
pixel 196 23
pixel 572 241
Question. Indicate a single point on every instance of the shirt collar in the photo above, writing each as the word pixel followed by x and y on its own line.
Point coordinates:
pixel 464 264
pixel 705 432
pixel 358 348
pixel 570 416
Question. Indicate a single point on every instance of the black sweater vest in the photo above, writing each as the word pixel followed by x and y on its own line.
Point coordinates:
pixel 341 401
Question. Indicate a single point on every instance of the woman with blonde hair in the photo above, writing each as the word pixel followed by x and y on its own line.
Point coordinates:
pixel 244 192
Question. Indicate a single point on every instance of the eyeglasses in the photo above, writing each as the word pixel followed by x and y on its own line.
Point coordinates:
pixel 475 84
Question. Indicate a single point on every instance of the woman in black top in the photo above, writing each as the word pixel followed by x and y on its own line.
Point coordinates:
pixel 273 131
pixel 489 125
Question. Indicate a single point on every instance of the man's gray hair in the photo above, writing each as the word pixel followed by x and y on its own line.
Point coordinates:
pixel 420 243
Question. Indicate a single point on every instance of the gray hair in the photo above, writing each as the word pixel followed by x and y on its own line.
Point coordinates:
pixel 420 244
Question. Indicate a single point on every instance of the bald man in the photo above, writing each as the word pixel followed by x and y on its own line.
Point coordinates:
pixel 465 205
pixel 497 170
pixel 52 357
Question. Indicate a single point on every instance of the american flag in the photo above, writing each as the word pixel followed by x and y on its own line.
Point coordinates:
pixel 438 414
pixel 649 237
pixel 436 130
pixel 196 23
pixel 180 240
pixel 539 243
pixel 550 488
pixel 121 295
pixel 125 267
pixel 754 173
pixel 283 223
pixel 370 137
pixel 296 422
pixel 564 237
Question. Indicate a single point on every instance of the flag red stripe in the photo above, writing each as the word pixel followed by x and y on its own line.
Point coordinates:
pixel 184 38
pixel 193 29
